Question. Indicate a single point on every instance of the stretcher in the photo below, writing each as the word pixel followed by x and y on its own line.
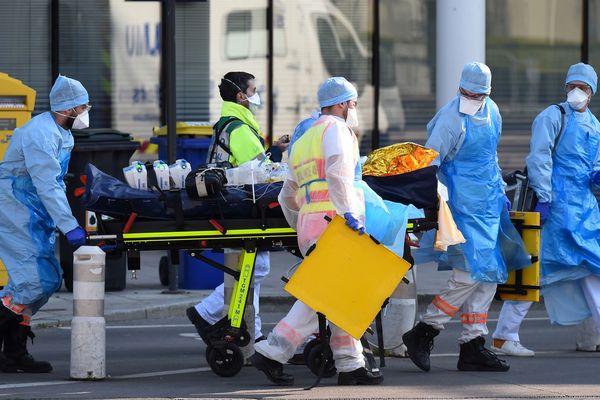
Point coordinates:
pixel 130 223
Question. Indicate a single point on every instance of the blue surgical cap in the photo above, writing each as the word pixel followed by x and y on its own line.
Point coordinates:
pixel 67 93
pixel 584 73
pixel 336 90
pixel 476 77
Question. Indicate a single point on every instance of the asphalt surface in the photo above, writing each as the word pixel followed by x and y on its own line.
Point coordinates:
pixel 163 358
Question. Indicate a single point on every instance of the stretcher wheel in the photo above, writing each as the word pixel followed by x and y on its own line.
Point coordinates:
pixel 308 347
pixel 163 271
pixel 225 360
pixel 243 338
pixel 315 359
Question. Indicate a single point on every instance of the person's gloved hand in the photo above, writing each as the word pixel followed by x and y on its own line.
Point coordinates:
pixel 596 178
pixel 76 237
pixel 544 210
pixel 508 203
pixel 354 223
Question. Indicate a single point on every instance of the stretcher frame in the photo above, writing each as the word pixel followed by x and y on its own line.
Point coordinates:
pixel 250 235
pixel 194 236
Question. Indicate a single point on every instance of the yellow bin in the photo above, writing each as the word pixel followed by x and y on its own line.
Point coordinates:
pixel 16 104
pixel 347 277
pixel 524 285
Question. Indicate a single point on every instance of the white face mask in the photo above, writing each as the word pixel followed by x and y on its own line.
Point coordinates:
pixel 469 106
pixel 577 99
pixel 254 99
pixel 82 120
pixel 352 118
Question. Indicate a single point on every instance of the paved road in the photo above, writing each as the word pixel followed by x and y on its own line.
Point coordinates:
pixel 164 359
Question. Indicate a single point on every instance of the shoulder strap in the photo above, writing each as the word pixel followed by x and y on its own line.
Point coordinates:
pixel 228 125
pixel 562 126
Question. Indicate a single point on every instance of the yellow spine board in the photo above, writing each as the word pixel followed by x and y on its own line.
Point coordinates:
pixel 347 277
pixel 530 275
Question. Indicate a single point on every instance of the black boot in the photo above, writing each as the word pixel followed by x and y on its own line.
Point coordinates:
pixel 419 342
pixel 359 377
pixel 7 317
pixel 18 358
pixel 475 357
pixel 272 369
pixel 200 323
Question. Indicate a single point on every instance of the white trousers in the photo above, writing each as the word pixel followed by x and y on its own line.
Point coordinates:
pixel 591 290
pixel 474 298
pixel 299 323
pixel 211 308
pixel 509 321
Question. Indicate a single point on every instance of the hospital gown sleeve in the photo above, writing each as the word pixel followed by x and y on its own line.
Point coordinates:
pixel 40 150
pixel 287 200
pixel 596 168
pixel 446 137
pixel 340 163
pixel 544 130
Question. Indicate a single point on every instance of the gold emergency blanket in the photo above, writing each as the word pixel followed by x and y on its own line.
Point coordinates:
pixel 398 159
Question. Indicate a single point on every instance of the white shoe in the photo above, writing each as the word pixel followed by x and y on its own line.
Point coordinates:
pixel 512 348
pixel 588 348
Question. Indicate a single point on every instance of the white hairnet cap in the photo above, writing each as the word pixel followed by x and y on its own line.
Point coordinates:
pixel 336 90
pixel 476 77
pixel 584 73
pixel 67 93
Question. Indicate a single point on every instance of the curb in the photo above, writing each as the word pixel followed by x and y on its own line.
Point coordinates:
pixel 271 304
pixel 133 314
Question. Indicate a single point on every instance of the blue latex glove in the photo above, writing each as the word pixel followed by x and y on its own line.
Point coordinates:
pixel 596 178
pixel 76 237
pixel 354 223
pixel 508 203
pixel 544 210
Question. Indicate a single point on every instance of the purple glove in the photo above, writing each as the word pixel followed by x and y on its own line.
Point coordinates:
pixel 354 223
pixel 508 203
pixel 544 210
pixel 76 237
pixel 596 178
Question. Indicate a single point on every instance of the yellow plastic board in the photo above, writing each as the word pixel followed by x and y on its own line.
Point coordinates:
pixel 3 274
pixel 529 277
pixel 347 277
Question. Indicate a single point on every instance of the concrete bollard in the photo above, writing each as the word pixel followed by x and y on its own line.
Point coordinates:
pixel 88 328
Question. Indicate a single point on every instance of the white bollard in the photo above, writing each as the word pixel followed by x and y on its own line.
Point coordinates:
pixel 88 328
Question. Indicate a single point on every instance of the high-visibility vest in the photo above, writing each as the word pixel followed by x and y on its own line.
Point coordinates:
pixel 308 167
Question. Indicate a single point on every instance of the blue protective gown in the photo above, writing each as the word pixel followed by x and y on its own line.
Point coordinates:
pixel 562 176
pixel 33 203
pixel 469 168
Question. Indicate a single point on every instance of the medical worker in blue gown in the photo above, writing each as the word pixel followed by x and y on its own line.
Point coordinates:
pixel 564 173
pixel 33 204
pixel 465 132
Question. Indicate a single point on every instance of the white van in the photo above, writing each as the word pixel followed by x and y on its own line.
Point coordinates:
pixel 313 40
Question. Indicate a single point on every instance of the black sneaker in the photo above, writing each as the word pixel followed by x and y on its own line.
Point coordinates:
pixel 200 323
pixel 359 377
pixel 272 369
pixel 419 343
pixel 297 359
pixel 475 357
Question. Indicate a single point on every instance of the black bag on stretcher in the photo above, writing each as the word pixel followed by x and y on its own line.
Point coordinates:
pixel 205 182
pixel 109 196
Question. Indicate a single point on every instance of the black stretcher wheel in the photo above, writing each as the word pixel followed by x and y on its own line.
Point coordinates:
pixel 163 270
pixel 308 347
pixel 225 360
pixel 315 360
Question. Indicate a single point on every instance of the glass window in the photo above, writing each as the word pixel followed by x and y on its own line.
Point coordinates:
pixel 246 34
pixel 26 46
pixel 530 45
pixel 407 69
